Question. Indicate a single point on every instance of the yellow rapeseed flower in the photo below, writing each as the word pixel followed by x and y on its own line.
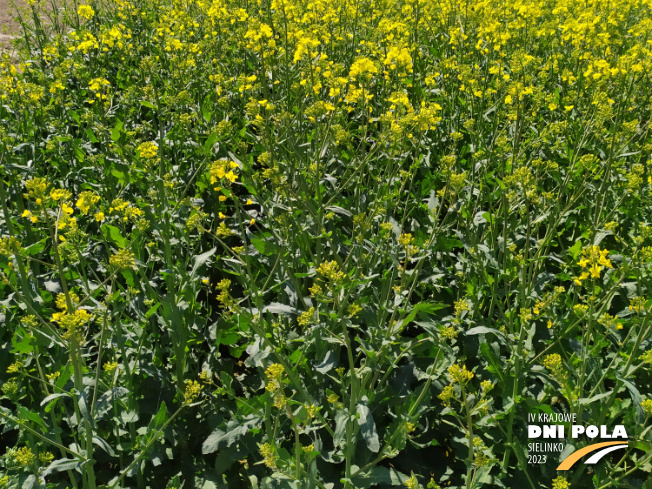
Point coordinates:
pixel 25 457
pixel 193 389
pixel 86 12
pixel 123 259
pixel 459 375
pixel 647 406
pixel 560 483
pixel 86 200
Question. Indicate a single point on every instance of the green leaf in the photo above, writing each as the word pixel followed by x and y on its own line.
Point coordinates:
pixel 112 233
pixel 152 310
pixel 229 338
pixel 120 175
pixel 91 135
pixel 636 399
pixel 160 418
pixel 26 414
pixel 265 247
pixel 115 132
pixel 25 344
pixel 79 154
pixel 447 243
pixel 574 250
pixel 128 276
pixel 424 307
pixel 205 109
pixel 296 355
pixel 304 275
pixel 597 397
pixel 488 354
pixel 36 248
pixel 208 145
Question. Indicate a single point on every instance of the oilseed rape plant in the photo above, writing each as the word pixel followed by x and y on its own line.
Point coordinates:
pixel 343 244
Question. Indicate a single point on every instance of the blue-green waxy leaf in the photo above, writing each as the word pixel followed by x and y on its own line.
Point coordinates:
pixel 328 363
pixel 106 401
pixel 50 400
pixel 379 475
pixel 61 465
pixel 200 260
pixel 29 482
pixel 101 442
pixel 231 433
pixel 484 330
pixel 277 308
pixel 367 426
pixel 636 398
pixel 341 419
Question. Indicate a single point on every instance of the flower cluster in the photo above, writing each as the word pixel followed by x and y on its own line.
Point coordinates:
pixel 192 392
pixel 593 260
pixel 554 363
pixel 124 258
pixel 330 270
pixel 274 374
pixel 223 170
pixel 560 483
pixel 268 452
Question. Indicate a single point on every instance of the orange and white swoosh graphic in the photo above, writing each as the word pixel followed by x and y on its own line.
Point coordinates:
pixel 607 447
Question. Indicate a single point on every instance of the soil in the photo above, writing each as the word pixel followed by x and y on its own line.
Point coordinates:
pixel 7 23
pixel 8 26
